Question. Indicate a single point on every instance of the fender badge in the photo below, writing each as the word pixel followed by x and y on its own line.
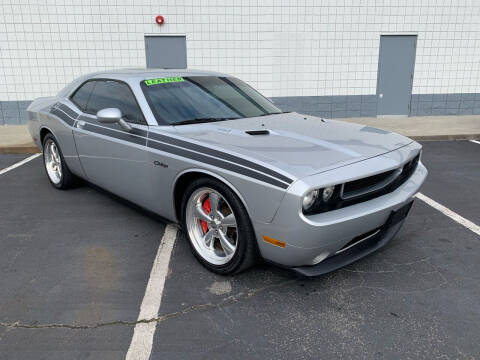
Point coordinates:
pixel 158 163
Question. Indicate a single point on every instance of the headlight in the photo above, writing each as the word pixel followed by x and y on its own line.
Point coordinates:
pixel 320 200
pixel 327 193
pixel 309 199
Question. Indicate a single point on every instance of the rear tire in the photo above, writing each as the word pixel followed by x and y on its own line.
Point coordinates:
pixel 56 168
pixel 218 227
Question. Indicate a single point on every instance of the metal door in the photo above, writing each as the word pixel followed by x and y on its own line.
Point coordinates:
pixel 166 52
pixel 395 74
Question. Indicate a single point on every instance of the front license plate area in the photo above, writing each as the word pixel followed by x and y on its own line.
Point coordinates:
pixel 400 214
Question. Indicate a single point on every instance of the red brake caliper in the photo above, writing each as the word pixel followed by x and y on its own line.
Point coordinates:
pixel 207 208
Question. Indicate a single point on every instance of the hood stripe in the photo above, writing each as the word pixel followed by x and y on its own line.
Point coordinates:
pixel 215 162
pixel 219 154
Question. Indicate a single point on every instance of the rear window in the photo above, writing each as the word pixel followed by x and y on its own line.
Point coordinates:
pixel 81 96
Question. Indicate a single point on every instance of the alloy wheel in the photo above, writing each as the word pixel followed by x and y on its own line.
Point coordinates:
pixel 53 162
pixel 211 226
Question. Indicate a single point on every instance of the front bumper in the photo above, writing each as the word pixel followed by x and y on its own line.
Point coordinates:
pixel 311 240
pixel 361 247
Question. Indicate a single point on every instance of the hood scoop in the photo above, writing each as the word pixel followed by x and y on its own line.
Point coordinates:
pixel 257 132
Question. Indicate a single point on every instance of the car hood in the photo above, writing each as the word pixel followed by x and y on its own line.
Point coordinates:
pixel 298 145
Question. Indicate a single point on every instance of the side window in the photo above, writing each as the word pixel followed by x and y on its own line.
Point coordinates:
pixel 81 95
pixel 114 94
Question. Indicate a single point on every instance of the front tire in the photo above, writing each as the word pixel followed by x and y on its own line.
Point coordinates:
pixel 218 227
pixel 57 170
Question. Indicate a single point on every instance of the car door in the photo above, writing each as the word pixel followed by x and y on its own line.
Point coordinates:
pixel 111 157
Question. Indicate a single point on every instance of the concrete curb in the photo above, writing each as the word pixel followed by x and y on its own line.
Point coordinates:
pixel 19 149
pixel 446 137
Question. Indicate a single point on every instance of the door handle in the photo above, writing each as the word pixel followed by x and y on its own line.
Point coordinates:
pixel 80 124
pixel 380 96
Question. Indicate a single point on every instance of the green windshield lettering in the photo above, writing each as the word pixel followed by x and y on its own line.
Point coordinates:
pixel 163 80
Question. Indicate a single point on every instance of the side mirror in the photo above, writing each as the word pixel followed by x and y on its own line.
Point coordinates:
pixel 111 116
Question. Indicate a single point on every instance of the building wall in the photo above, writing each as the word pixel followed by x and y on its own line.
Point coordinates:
pixel 319 57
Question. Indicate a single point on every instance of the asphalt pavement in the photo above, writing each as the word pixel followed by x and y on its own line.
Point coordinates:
pixel 7 160
pixel 69 258
pixel 75 264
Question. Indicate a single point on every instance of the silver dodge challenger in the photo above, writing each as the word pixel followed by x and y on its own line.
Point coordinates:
pixel 245 180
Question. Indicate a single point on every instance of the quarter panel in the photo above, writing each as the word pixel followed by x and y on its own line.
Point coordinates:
pixel 63 114
pixel 59 120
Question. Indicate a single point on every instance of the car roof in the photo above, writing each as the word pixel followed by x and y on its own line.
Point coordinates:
pixel 133 75
pixel 144 73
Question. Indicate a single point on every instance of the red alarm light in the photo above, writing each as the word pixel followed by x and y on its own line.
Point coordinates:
pixel 159 20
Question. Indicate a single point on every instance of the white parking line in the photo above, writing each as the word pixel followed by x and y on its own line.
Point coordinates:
pixel 475 141
pixel 141 345
pixel 451 214
pixel 20 163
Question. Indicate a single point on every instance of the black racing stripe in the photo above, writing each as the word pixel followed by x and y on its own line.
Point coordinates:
pixel 62 116
pixel 139 132
pixel 221 155
pixel 85 118
pixel 215 162
pixel 115 134
pixel 135 131
pixel 109 130
pixel 68 111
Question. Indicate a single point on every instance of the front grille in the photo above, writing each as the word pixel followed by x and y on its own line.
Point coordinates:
pixel 410 167
pixel 380 183
pixel 368 184
pixel 365 189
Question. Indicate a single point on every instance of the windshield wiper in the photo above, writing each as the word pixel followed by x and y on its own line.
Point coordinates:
pixel 202 120
pixel 266 114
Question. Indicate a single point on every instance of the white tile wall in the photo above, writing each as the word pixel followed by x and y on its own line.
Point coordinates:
pixel 282 47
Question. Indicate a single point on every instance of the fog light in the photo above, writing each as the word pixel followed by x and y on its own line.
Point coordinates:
pixel 309 199
pixel 327 193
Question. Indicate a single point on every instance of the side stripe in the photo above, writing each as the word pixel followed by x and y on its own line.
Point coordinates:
pixel 187 145
pixel 177 147
pixel 86 119
pixel 135 131
pixel 121 135
pixel 59 113
pixel 219 154
pixel 215 162
pixel 68 110
pixel 140 132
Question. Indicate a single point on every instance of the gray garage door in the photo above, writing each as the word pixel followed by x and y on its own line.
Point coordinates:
pixel 167 52
pixel 395 74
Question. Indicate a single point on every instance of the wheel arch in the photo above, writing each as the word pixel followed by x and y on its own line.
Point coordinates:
pixel 44 130
pixel 187 176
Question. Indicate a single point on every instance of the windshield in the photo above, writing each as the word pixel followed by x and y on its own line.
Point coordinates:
pixel 177 100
